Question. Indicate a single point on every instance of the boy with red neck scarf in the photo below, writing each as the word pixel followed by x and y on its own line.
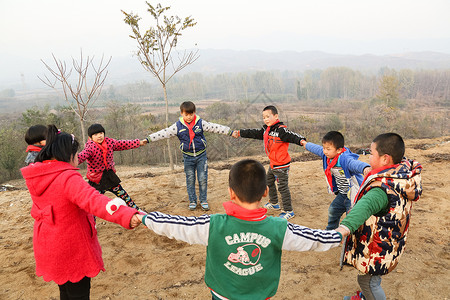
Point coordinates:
pixel 35 137
pixel 380 219
pixel 99 154
pixel 343 173
pixel 276 139
pixel 189 130
pixel 244 246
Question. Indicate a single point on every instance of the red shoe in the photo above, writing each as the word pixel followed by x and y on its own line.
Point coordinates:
pixel 358 296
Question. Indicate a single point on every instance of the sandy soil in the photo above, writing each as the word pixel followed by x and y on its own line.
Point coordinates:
pixel 141 265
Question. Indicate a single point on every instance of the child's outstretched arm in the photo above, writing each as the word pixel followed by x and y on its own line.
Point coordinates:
pixel 301 238
pixel 372 203
pixel 290 137
pixel 85 154
pixel 163 134
pixel 216 128
pixel 257 134
pixel 357 166
pixel 313 148
pixel 193 230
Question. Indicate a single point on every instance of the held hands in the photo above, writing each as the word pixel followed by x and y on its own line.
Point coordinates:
pixel 303 143
pixel 366 171
pixel 343 230
pixel 236 134
pixel 135 220
pixel 143 142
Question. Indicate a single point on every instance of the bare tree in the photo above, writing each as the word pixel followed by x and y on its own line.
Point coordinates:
pixel 81 93
pixel 156 46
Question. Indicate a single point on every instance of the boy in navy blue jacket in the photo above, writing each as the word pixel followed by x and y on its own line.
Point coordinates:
pixel 343 172
pixel 189 130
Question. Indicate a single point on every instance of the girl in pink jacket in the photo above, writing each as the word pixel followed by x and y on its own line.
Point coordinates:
pixel 99 154
pixel 65 244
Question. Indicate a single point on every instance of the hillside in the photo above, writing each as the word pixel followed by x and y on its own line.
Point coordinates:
pixel 141 265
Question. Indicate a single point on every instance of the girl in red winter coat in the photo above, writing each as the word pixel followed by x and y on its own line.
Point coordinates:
pixel 65 244
pixel 99 154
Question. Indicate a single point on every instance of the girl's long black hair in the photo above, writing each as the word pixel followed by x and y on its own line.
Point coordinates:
pixel 59 145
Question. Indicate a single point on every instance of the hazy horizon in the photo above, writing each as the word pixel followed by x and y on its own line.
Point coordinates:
pixel 33 30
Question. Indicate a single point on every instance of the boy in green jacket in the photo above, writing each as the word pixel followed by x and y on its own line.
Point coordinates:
pixel 244 246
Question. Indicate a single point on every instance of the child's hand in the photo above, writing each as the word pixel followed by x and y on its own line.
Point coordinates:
pixel 367 171
pixel 235 134
pixel 143 142
pixel 135 220
pixel 303 143
pixel 343 230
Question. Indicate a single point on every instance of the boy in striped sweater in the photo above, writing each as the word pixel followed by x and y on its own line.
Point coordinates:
pixel 343 172
pixel 244 246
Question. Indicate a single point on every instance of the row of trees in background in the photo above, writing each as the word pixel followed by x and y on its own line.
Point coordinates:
pixel 331 83
pixel 358 120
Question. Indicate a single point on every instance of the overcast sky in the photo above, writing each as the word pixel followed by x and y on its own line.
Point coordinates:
pixel 37 28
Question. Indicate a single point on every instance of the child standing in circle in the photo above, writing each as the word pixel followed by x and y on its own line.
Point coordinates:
pixel 276 139
pixel 379 221
pixel 189 130
pixel 343 172
pixel 243 245
pixel 35 138
pixel 99 154
pixel 65 243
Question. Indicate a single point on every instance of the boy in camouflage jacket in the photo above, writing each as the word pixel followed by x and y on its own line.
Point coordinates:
pixel 379 221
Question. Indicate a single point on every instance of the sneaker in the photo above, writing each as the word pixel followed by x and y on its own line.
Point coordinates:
pixel 192 205
pixel 269 205
pixel 358 296
pixel 205 205
pixel 287 215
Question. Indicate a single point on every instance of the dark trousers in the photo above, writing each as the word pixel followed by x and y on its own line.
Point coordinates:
pixel 75 290
pixel 281 176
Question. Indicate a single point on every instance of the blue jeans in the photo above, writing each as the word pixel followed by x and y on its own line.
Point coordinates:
pixel 371 287
pixel 337 208
pixel 197 164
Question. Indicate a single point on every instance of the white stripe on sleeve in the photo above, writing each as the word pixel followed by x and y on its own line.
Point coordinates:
pixel 193 230
pixel 301 238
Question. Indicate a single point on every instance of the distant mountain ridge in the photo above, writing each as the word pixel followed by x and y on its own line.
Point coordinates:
pixel 126 69
pixel 231 61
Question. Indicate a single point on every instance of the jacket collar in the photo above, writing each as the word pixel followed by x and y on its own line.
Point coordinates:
pixel 232 209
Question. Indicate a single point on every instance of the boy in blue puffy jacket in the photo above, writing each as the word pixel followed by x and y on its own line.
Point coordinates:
pixel 343 172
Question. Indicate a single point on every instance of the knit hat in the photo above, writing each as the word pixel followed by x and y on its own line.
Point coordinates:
pixel 95 128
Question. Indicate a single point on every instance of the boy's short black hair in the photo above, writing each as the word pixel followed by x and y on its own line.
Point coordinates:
pixel 248 180
pixel 95 128
pixel 334 137
pixel 391 144
pixel 187 107
pixel 35 134
pixel 272 108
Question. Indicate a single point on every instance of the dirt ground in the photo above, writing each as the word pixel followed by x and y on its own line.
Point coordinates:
pixel 141 265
